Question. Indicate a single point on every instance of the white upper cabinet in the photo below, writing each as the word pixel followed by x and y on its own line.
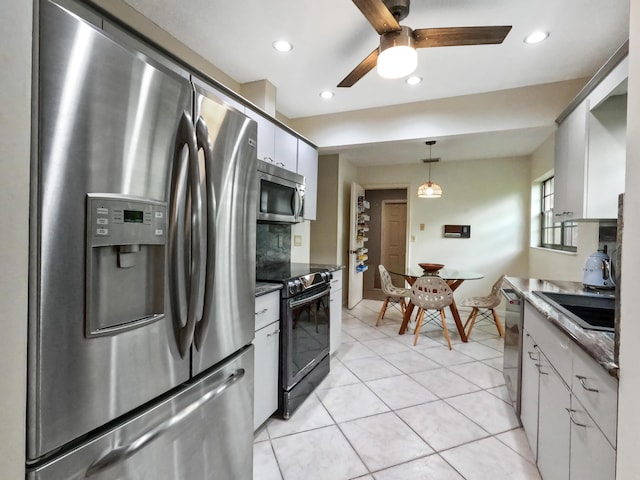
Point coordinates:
pixel 308 166
pixel 286 149
pixel 280 147
pixel 591 152
pixel 570 164
pixel 266 136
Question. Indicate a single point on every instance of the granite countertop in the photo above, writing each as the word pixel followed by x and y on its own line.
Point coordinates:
pixel 599 345
pixel 262 288
pixel 330 267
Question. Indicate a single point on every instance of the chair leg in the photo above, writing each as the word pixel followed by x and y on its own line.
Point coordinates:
pixel 403 305
pixel 497 320
pixel 471 321
pixel 382 311
pixel 444 327
pixel 418 325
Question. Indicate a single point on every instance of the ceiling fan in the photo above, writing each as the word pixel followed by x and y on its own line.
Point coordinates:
pixel 396 56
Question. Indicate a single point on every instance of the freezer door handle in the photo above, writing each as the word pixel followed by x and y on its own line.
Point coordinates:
pixel 204 143
pixel 120 454
pixel 185 182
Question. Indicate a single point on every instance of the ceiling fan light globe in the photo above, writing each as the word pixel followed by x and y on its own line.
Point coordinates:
pixel 397 62
pixel 398 57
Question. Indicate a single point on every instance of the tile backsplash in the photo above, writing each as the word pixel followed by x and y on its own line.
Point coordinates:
pixel 273 243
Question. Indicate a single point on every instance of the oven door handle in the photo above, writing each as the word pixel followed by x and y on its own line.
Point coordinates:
pixel 297 303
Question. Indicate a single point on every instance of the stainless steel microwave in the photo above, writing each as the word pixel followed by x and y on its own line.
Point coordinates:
pixel 280 194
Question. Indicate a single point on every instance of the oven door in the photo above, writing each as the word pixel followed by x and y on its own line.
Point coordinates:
pixel 305 334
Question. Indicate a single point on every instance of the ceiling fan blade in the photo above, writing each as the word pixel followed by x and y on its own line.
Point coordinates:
pixel 454 36
pixel 379 16
pixel 361 70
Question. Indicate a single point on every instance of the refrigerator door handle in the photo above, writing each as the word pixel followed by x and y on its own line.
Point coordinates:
pixel 204 143
pixel 185 171
pixel 120 454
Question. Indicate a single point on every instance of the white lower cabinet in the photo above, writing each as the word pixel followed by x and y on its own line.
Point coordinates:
pixel 529 391
pixel 267 349
pixel 553 424
pixel 592 456
pixel 335 312
pixel 566 441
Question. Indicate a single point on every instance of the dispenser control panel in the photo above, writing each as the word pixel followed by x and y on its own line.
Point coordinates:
pixel 124 220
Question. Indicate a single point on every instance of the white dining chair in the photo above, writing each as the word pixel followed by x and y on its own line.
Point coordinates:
pixel 486 307
pixel 392 293
pixel 431 293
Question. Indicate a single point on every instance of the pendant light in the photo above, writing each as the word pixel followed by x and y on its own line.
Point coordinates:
pixel 430 189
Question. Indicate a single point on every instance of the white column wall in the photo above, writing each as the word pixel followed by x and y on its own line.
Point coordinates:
pixel 628 466
pixel 15 138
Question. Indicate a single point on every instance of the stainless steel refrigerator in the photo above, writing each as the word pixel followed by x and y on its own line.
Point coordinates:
pixel 142 271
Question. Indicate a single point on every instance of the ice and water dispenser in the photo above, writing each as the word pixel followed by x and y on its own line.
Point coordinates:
pixel 125 252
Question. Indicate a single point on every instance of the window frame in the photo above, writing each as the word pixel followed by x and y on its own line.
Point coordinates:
pixel 566 230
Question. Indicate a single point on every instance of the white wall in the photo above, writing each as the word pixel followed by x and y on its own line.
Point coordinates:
pixel 490 195
pixel 325 242
pixel 15 128
pixel 629 389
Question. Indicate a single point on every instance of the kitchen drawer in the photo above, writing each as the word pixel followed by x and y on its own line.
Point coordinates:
pixel 336 281
pixel 551 341
pixel 267 309
pixel 592 457
pixel 597 391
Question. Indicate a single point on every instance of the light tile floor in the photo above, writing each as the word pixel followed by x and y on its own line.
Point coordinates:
pixel 389 410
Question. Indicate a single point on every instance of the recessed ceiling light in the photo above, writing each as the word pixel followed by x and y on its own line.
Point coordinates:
pixel 327 94
pixel 282 46
pixel 536 37
pixel 415 80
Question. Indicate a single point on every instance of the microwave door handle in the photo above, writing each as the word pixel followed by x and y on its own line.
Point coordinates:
pixel 297 203
pixel 185 136
pixel 204 143
pixel 120 454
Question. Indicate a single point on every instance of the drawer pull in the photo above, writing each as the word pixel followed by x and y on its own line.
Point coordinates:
pixel 573 420
pixel 583 382
pixel 275 332
pixel 264 310
pixel 539 365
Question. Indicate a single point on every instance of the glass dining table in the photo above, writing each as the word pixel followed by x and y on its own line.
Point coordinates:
pixel 454 279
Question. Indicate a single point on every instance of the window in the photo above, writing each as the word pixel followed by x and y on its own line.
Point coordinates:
pixel 553 233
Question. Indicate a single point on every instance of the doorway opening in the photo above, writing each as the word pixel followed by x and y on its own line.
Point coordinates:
pixel 387 237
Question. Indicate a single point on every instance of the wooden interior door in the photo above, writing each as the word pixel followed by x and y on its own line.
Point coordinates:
pixel 356 282
pixel 393 239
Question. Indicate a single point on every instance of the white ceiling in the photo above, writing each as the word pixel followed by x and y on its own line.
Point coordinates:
pixel 331 37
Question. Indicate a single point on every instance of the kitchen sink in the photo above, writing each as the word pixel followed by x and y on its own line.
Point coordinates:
pixel 590 311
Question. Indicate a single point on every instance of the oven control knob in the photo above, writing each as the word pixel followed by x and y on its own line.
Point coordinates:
pixel 295 287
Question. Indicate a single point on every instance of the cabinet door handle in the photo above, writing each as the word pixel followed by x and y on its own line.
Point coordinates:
pixel 573 420
pixel 263 311
pixel 583 382
pixel 275 332
pixel 539 365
